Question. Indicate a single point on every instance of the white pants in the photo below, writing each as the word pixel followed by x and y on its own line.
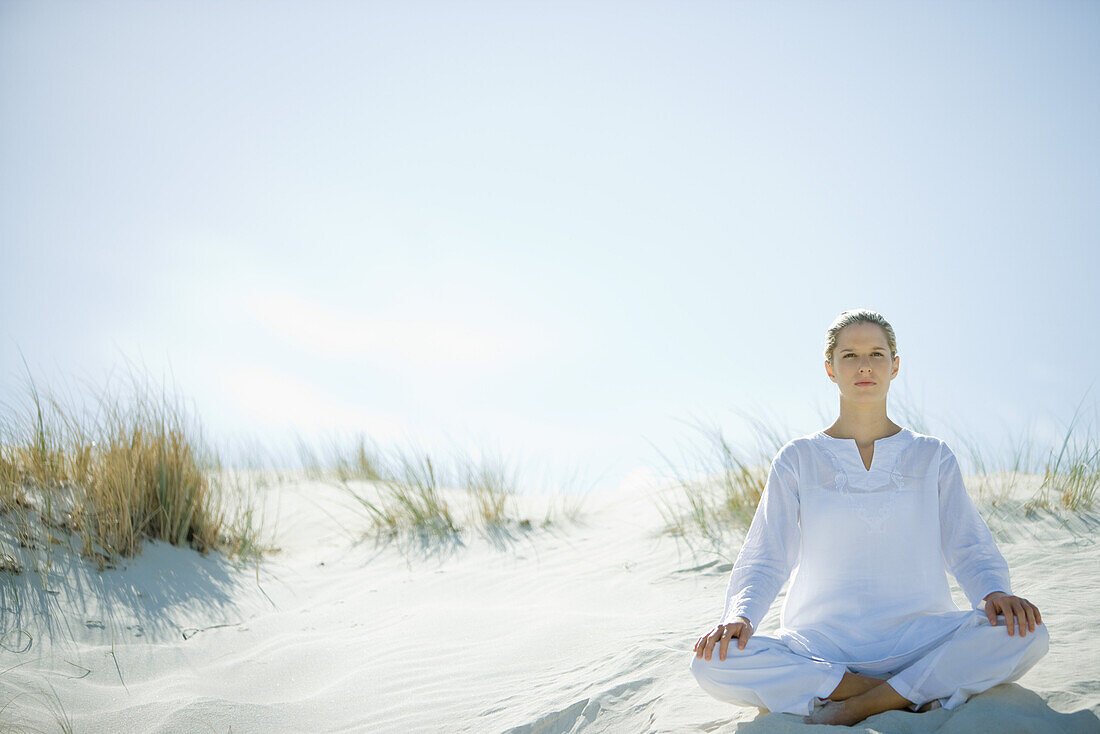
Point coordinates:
pixel 974 658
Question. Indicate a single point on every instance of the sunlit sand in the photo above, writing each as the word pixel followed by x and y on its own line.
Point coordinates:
pixel 575 625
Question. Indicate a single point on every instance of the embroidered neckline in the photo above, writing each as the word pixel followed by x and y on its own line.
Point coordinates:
pixel 874 518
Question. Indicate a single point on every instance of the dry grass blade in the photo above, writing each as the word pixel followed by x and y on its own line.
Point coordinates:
pixel 362 462
pixel 1070 477
pixel 492 485
pixel 136 468
pixel 414 493
pixel 999 482
pixel 408 489
pixel 719 489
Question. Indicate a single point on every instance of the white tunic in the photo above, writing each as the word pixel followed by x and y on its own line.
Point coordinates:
pixel 869 549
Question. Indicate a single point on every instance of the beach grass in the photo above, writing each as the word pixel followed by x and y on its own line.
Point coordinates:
pixel 359 458
pixel 1071 476
pixel 49 700
pixel 717 486
pixel 412 495
pixel 406 488
pixel 998 483
pixel 1031 478
pixel 492 483
pixel 102 476
pixel 410 492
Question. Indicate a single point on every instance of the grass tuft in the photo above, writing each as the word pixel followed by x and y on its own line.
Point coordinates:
pixel 411 490
pixel 999 483
pixel 492 485
pixel 406 494
pixel 719 487
pixel 1070 477
pixel 414 496
pixel 135 467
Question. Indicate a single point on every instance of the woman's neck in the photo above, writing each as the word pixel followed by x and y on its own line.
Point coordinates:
pixel 865 428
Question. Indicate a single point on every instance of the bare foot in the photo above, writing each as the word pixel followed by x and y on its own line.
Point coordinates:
pixel 857 708
pixel 833 712
pixel 853 684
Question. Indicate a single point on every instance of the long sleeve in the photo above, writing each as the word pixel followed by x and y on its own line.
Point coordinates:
pixel 969 551
pixel 770 549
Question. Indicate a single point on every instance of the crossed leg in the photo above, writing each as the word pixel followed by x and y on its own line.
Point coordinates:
pixel 853 684
pixel 769 675
pixel 977 657
pixel 882 697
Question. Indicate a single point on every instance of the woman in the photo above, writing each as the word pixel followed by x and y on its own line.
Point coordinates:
pixel 867 513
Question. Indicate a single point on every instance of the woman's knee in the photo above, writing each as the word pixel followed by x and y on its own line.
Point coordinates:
pixel 701 667
pixel 1038 638
pixel 756 646
pixel 1030 647
pixel 1040 641
pixel 699 664
pixel 723 680
pixel 1040 631
pixel 705 670
pixel 1034 646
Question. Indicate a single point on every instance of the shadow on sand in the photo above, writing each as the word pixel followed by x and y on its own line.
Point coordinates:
pixel 144 596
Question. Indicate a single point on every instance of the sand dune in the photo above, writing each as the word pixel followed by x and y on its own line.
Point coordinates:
pixel 573 627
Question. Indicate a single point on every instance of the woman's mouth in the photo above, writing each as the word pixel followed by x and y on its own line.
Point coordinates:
pixel 865 383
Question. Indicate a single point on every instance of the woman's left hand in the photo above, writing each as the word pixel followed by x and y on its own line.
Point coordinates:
pixel 1017 611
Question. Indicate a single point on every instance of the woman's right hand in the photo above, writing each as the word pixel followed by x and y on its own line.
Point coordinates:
pixel 740 628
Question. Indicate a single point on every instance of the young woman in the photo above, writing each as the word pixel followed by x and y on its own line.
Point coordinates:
pixel 870 515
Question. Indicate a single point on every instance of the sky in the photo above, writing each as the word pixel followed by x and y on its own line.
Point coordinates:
pixel 564 232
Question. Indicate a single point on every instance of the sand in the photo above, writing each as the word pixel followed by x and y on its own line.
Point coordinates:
pixel 582 626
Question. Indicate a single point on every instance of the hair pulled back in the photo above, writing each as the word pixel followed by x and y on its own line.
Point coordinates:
pixel 858 316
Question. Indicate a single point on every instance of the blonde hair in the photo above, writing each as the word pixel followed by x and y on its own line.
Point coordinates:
pixel 857 316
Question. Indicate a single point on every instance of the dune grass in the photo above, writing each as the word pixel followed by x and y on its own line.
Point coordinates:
pixel 718 486
pixel 49 699
pixel 411 488
pixel 103 478
pixel 136 467
pixel 1070 477
pixel 411 497
pixel 432 494
pixel 1000 482
pixel 492 483
pixel 1062 479
pixel 342 460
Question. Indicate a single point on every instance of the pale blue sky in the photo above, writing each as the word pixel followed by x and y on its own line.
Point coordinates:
pixel 559 228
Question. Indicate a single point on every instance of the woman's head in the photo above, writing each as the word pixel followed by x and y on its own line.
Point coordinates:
pixel 861 356
pixel 858 316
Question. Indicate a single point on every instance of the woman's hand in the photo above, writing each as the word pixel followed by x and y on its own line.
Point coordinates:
pixel 741 628
pixel 1017 611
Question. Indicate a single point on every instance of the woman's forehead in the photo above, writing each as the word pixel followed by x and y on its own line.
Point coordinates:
pixel 861 335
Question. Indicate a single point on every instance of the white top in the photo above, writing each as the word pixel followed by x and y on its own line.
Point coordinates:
pixel 869 548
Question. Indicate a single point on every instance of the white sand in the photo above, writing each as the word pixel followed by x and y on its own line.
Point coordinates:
pixel 576 627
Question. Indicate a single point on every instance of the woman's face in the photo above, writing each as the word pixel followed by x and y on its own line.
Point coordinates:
pixel 861 365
